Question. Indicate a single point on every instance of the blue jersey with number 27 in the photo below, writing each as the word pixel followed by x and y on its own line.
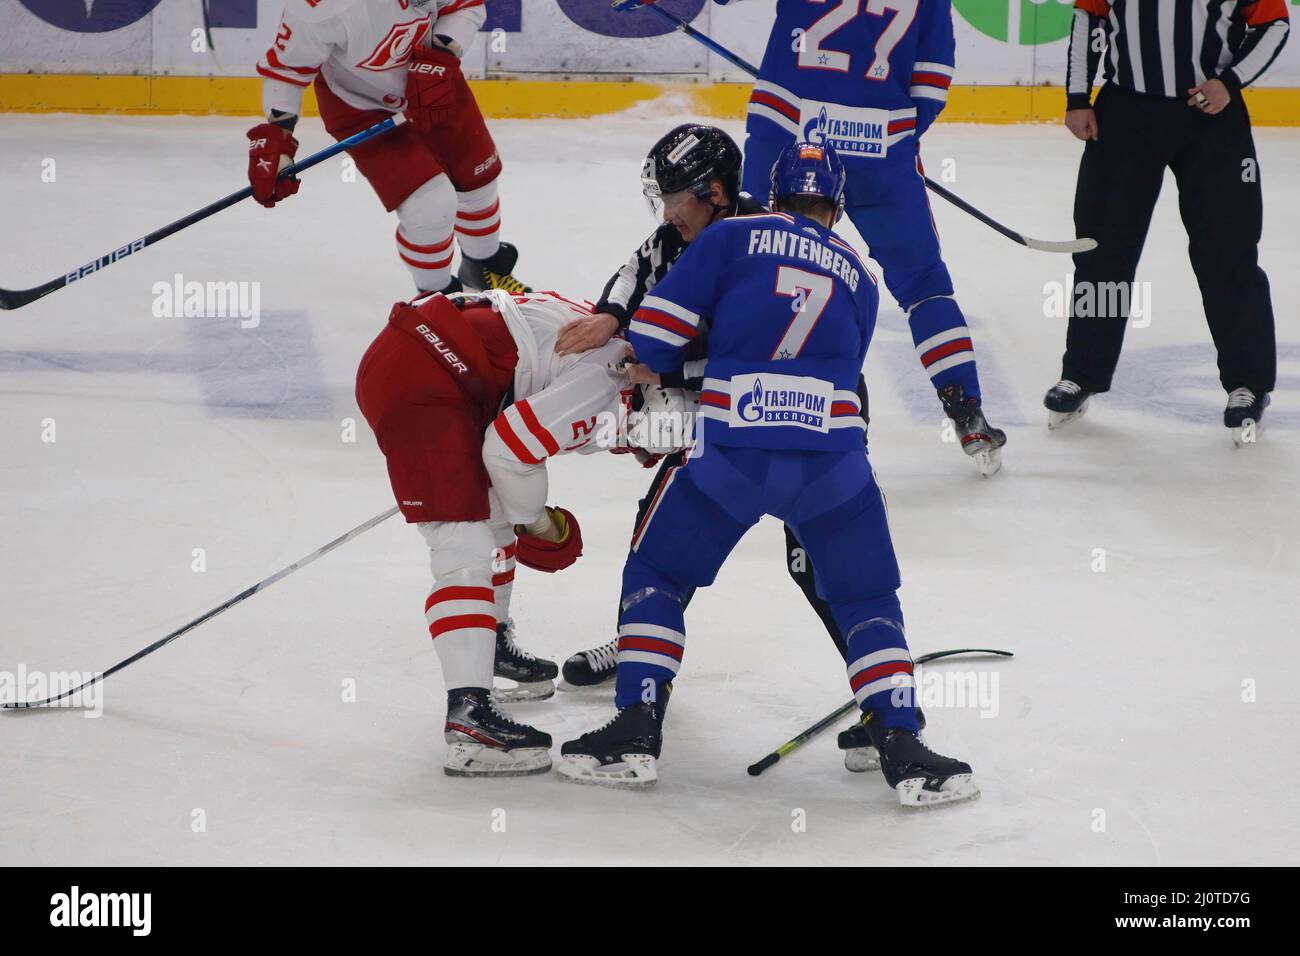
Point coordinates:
pixel 890 60
pixel 790 309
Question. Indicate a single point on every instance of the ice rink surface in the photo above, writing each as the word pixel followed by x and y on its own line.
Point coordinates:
pixel 1148 718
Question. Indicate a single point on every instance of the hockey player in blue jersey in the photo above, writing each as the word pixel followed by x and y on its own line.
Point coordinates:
pixel 791 310
pixel 868 77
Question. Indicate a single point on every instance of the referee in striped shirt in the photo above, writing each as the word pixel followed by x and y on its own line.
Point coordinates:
pixel 1174 70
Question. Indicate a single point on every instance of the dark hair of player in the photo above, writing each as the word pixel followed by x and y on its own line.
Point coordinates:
pixel 810 206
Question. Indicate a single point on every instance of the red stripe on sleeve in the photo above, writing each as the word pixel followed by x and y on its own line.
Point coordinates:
pixel 534 426
pixel 776 103
pixel 275 62
pixel 932 79
pixel 507 435
pixel 666 321
pixel 283 79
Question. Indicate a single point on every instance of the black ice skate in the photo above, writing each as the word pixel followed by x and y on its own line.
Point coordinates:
pixel 483 742
pixel 1065 401
pixel 622 753
pixel 979 439
pixel 921 777
pixel 1243 414
pixel 493 273
pixel 534 677
pixel 591 667
pixel 860 754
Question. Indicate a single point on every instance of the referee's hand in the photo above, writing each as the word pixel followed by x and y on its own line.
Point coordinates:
pixel 1211 97
pixel 1082 123
pixel 589 332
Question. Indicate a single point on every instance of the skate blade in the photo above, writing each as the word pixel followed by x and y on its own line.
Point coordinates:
pixel 956 789
pixel 1057 420
pixel 477 760
pixel 861 759
pixel 636 772
pixel 1247 433
pixel 988 460
pixel 537 690
pixel 564 685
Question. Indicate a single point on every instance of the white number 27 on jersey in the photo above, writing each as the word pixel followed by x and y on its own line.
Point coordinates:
pixel 809 293
pixel 813 57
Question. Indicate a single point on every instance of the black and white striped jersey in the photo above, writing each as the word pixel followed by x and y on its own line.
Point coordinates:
pixel 648 265
pixel 1168 47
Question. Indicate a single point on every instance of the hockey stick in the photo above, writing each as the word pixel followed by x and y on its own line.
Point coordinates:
pixel 1042 245
pixel 209 615
pixel 17 298
pixel 794 743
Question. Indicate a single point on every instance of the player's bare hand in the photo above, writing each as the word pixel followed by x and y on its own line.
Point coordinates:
pixel 639 374
pixel 1083 124
pixel 1212 96
pixel 589 332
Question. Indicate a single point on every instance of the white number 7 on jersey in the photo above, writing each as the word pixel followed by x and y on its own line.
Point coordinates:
pixel 809 294
pixel 895 30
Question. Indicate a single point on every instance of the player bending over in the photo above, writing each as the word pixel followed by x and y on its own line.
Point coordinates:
pixel 369 59
pixel 691 179
pixel 869 78
pixel 468 399
pixel 792 310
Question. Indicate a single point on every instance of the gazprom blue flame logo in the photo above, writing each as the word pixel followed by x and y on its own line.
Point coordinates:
pixel 815 131
pixel 750 408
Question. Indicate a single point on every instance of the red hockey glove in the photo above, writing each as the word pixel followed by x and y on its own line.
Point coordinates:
pixel 431 87
pixel 550 556
pixel 268 144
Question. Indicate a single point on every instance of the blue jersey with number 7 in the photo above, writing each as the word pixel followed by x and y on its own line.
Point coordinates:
pixel 790 309
pixel 863 75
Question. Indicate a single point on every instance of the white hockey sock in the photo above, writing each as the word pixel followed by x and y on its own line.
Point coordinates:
pixel 460 609
pixel 503 569
pixel 478 221
pixel 425 233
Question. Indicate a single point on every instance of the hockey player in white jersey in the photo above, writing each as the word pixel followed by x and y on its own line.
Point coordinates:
pixel 468 399
pixel 369 59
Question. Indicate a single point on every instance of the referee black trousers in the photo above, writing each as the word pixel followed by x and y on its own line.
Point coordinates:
pixel 1214 163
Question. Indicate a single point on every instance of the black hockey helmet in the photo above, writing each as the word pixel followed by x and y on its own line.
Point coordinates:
pixel 689 159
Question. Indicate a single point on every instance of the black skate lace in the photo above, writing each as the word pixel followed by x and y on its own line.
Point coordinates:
pixel 1065 385
pixel 924 746
pixel 606 725
pixel 1241 398
pixel 508 634
pixel 604 657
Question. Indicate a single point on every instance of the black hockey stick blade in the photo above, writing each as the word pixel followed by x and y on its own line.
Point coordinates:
pixel 794 743
pixel 11 299
pixel 207 615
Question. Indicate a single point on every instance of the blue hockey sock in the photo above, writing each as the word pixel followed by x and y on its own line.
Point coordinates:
pixel 651 640
pixel 943 344
pixel 880 671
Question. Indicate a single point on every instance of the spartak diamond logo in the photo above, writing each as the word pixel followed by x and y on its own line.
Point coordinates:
pixel 394 50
